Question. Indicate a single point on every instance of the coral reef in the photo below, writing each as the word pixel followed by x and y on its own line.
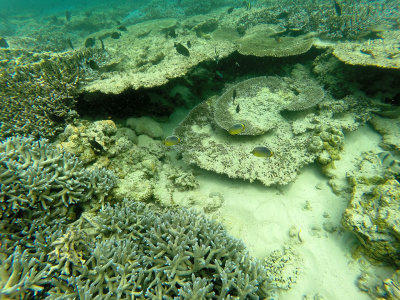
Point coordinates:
pixel 131 250
pixel 357 19
pixel 382 52
pixel 283 267
pixel 157 61
pixel 258 43
pixel 390 131
pixel 135 160
pixel 35 175
pixel 168 253
pixel 372 213
pixel 286 123
pixel 39 90
pixel 21 275
pixel 145 125
pixel 261 99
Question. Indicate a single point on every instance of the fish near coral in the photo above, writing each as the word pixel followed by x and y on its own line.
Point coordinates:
pixel 171 140
pixel 3 43
pixel 68 15
pixel 389 161
pixel 237 108
pixel 69 42
pixel 181 49
pixel 122 28
pixel 262 151
pixel 115 35
pixel 96 145
pixel 236 129
pixel 90 42
pixel 234 93
pixel 338 9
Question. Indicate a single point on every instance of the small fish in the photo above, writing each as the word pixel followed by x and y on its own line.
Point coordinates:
pixel 389 161
pixel 90 42
pixel 70 44
pixel 278 39
pixel 230 10
pixel 247 4
pixel 338 9
pixel 181 49
pixel 236 129
pixel 171 140
pixel 115 35
pixel 189 44
pixel 3 43
pixel 234 94
pixel 93 65
pixel 262 151
pixel 96 145
pixel 68 15
pixel 122 28
pixel 219 75
pixel 102 45
pixel 237 108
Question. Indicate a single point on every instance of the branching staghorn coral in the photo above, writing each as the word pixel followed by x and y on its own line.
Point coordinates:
pixel 20 275
pixel 174 254
pixel 34 175
pixel 38 90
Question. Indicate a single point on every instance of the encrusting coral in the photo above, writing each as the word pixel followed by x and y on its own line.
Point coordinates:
pixel 372 213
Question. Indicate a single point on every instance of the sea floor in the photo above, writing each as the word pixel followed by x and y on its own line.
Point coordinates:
pixel 304 216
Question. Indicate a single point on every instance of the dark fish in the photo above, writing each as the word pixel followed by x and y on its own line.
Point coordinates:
pixel 237 108
pixel 89 43
pixel 219 75
pixel 189 44
pixel 234 94
pixel 181 49
pixel 338 9
pixel 115 35
pixel 102 45
pixel 68 15
pixel 93 65
pixel 122 28
pixel 96 145
pixel 170 32
pixel 70 44
pixel 3 43
pixel 230 10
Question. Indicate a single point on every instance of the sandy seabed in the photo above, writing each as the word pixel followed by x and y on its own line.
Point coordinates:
pixel 262 217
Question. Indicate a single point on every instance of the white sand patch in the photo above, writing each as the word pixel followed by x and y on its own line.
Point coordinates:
pixel 262 217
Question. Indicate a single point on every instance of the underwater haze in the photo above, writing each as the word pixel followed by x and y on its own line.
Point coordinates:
pixel 195 150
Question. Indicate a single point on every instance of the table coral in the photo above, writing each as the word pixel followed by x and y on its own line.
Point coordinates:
pixel 296 121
